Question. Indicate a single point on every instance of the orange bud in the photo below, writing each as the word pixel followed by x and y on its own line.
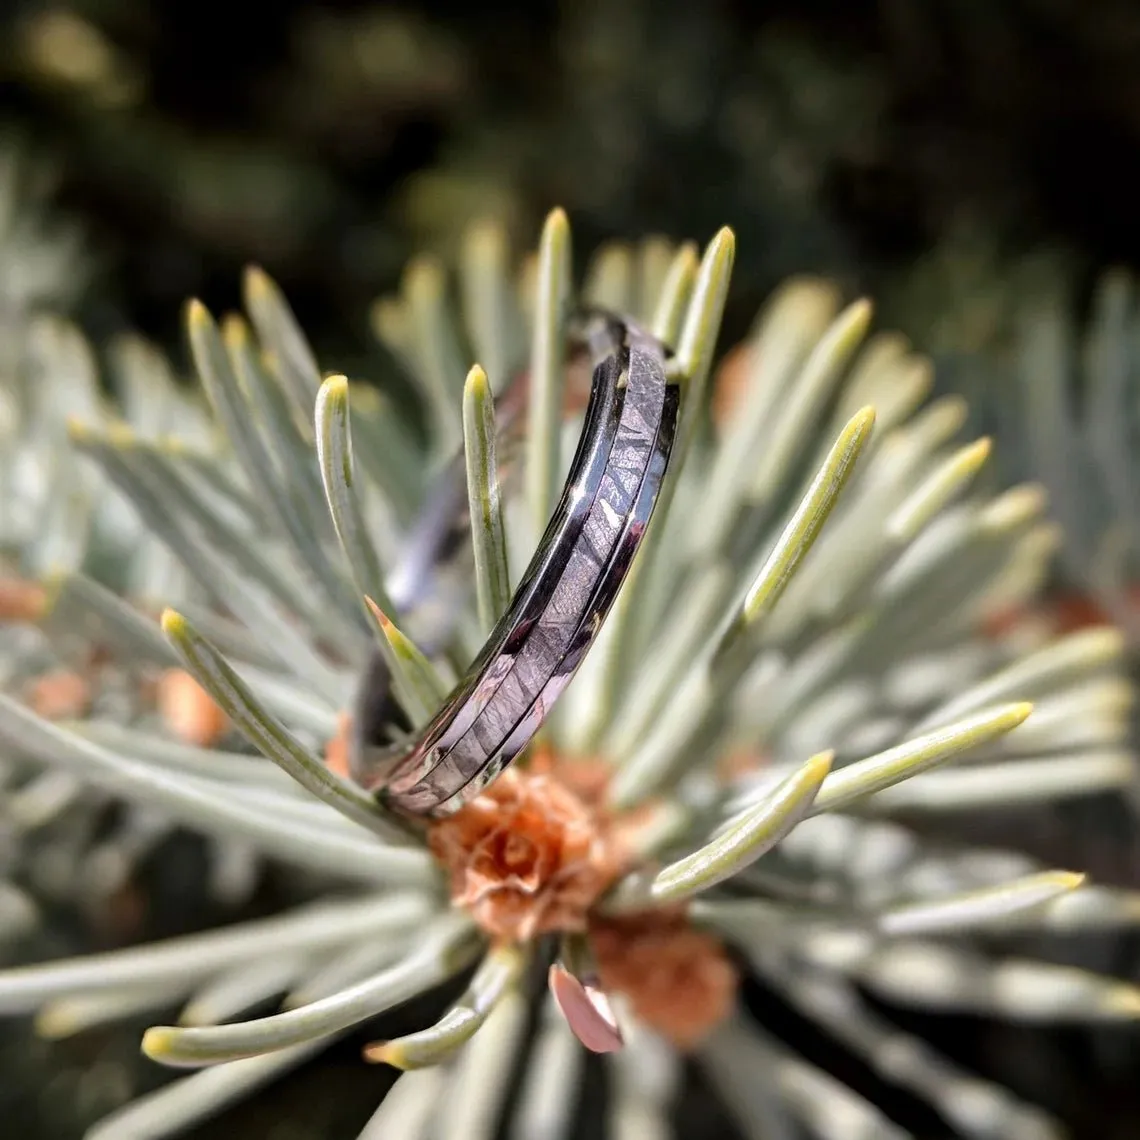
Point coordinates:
pixel 59 695
pixel 21 600
pixel 189 711
pixel 336 751
pixel 729 384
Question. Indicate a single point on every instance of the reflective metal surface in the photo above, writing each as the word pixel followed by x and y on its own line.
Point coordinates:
pixel 565 594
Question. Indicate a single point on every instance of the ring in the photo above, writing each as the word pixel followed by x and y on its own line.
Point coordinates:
pixel 440 531
pixel 443 526
pixel 568 589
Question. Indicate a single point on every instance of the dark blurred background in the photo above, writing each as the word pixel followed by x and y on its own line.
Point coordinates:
pixel 328 140
pixel 945 156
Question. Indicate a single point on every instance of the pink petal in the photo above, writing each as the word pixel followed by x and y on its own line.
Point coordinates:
pixel 587 1011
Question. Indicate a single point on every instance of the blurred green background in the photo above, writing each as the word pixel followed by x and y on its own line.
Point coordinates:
pixel 868 139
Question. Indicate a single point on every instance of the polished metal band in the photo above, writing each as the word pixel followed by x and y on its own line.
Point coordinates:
pixel 566 592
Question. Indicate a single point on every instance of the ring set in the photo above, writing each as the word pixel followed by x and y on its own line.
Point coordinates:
pixel 568 589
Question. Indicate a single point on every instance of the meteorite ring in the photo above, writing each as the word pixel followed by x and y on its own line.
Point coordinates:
pixel 572 581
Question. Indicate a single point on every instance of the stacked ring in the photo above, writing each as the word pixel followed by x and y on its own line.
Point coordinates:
pixel 565 594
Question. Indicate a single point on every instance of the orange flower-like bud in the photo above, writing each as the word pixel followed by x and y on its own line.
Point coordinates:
pixel 336 751
pixel 188 710
pixel 736 764
pixel 729 384
pixel 21 600
pixel 678 980
pixel 586 777
pixel 526 857
pixel 59 695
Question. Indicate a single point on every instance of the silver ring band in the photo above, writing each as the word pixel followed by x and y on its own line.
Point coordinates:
pixel 566 592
